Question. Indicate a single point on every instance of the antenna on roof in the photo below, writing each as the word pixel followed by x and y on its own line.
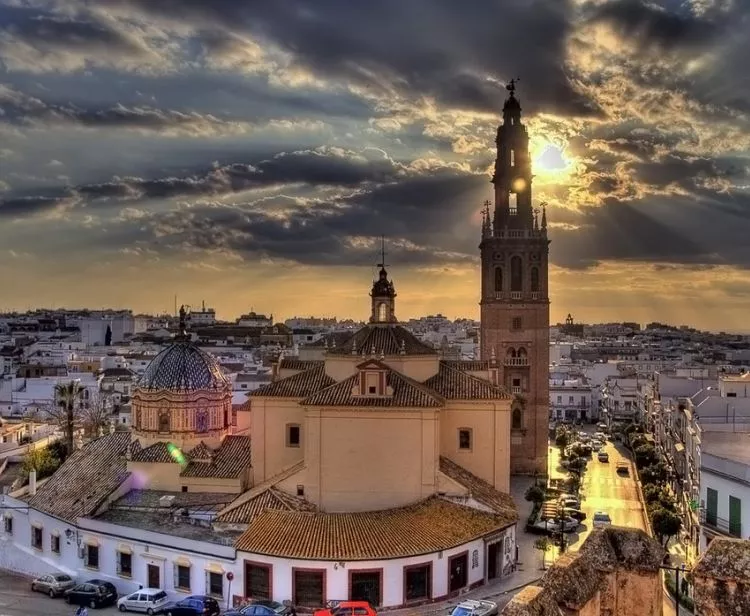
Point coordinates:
pixel 382 252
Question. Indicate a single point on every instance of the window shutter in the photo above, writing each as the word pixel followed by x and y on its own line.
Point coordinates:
pixel 208 582
pixel 119 563
pixel 176 571
pixel 86 556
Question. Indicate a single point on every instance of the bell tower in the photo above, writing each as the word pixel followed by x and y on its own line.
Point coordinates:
pixel 383 294
pixel 514 292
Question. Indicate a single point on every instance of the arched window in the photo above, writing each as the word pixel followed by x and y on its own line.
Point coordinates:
pixel 498 279
pixel 521 352
pixel 164 421
pixel 382 312
pixel 511 352
pixel 535 279
pixel 516 418
pixel 516 274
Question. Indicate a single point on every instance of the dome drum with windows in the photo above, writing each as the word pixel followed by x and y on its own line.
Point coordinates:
pixel 183 397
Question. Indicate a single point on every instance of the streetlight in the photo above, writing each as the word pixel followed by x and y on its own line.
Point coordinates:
pixel 677 571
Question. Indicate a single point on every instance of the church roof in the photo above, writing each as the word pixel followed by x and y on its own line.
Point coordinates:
pixel 388 339
pixel 480 490
pixel 158 452
pixel 453 384
pixel 85 479
pixel 182 366
pixel 425 527
pixel 228 462
pixel 298 385
pixel 292 363
pixel 270 498
pixel 407 393
pixel 468 365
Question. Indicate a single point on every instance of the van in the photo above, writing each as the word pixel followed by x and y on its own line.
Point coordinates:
pixel 148 600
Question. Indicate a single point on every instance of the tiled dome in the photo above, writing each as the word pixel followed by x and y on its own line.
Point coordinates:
pixel 182 366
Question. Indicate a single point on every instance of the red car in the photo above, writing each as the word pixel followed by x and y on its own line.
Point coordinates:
pixel 348 608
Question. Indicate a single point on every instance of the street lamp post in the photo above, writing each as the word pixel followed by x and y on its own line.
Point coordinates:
pixel 677 571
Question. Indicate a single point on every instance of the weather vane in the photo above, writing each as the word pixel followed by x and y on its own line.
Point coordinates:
pixel 511 87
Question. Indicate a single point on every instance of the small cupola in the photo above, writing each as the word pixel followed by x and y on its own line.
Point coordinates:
pixel 383 296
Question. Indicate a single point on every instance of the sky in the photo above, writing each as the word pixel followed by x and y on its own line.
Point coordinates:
pixel 251 153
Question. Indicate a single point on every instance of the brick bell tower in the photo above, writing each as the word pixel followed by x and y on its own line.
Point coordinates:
pixel 515 300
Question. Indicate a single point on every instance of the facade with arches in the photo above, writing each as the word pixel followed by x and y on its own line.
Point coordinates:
pixel 514 292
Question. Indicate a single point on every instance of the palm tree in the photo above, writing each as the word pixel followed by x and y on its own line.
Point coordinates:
pixel 69 397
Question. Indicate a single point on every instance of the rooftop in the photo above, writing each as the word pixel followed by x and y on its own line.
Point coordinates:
pixel 452 383
pixel 299 385
pixel 733 446
pixel 725 559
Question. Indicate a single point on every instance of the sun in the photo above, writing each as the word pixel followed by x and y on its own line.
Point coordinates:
pixel 550 160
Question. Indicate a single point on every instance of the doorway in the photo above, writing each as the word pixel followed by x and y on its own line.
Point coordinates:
pixel 494 554
pixel 152 574
pixel 458 572
pixel 366 586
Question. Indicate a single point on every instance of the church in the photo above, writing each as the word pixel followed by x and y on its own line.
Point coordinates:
pixel 380 472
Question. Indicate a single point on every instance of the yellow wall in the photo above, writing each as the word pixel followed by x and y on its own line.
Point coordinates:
pixel 361 460
pixel 269 418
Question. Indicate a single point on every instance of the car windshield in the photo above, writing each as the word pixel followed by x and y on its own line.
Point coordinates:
pixel 601 517
pixel 462 611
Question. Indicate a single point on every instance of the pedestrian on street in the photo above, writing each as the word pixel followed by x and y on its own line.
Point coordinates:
pixel 82 611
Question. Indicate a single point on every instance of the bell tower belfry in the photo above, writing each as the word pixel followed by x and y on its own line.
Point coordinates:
pixel 514 292
pixel 383 295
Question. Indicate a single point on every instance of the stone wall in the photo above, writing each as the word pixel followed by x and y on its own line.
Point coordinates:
pixel 721 579
pixel 615 573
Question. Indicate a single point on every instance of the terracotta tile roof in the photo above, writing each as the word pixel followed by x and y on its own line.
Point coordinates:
pixel 469 365
pixel 158 452
pixel 85 479
pixel 297 386
pixel 331 340
pixel 406 394
pixel 481 490
pixel 229 460
pixel 385 339
pixel 292 363
pixel 271 498
pixel 429 526
pixel 453 384
pixel 201 452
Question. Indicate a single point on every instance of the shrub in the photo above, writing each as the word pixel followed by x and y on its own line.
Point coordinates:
pixel 535 494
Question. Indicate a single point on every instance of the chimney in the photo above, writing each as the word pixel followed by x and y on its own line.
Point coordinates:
pixel 32 483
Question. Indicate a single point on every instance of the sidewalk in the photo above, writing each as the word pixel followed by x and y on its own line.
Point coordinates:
pixel 528 571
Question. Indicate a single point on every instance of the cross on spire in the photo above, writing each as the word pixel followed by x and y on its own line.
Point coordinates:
pixel 511 86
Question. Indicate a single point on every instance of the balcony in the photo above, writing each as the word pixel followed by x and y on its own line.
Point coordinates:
pixel 720 525
pixel 516 294
pixel 536 295
pixel 516 361
pixel 516 390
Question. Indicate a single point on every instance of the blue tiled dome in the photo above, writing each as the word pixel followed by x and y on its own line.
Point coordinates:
pixel 182 366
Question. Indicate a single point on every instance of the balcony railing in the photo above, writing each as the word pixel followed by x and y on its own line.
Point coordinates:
pixel 516 390
pixel 519 295
pixel 516 361
pixel 516 295
pixel 535 295
pixel 726 527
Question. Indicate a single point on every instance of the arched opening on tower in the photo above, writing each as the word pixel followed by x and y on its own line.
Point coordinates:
pixel 382 312
pixel 511 352
pixel 535 279
pixel 516 418
pixel 164 422
pixel 522 353
pixel 498 279
pixel 516 273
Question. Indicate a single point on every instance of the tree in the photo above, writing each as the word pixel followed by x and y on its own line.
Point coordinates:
pixel 645 455
pixel 562 438
pixel 666 524
pixel 94 415
pixel 108 336
pixel 543 545
pixel 655 473
pixel 41 460
pixel 535 494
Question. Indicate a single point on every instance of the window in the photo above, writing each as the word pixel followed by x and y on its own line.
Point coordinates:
pixel 91 557
pixel 372 389
pixel 535 279
pixel 498 279
pixel 583 400
pixel 8 524
pixel 731 394
pixel 475 559
pixel 712 505
pixel 571 400
pixel 257 581
pixel 516 273
pixel 513 203
pixel 382 312
pixel 124 564
pixel 464 438
pixel 182 577
pixel 417 582
pixel 214 584
pixel 36 537
pixel 559 399
pixel 300 490
pixel 512 158
pixel 293 435
pixel 164 422
pixel 517 323
pixel 184 488
pixel 516 419
pixel 308 588
pixel 54 542
pixel 735 516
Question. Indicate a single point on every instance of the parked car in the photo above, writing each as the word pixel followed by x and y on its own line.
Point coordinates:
pixel 623 468
pixel 596 444
pixel 570 501
pixel 603 456
pixel 263 607
pixel 94 593
pixel 601 436
pixel 53 585
pixel 602 427
pixel 194 605
pixel 148 600
pixel 576 514
pixel 347 608
pixel 471 607
pixel 602 519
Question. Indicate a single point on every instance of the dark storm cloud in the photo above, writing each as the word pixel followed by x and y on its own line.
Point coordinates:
pixel 417 215
pixel 24 207
pixel 652 25
pixel 456 52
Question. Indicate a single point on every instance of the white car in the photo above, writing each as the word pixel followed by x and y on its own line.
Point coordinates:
pixel 602 519
pixel 471 607
pixel 596 444
pixel 570 501
pixel 148 600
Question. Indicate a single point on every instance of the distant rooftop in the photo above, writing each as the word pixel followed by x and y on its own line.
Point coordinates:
pixel 727 445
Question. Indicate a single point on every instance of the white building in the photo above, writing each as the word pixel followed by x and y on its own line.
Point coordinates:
pixel 570 398
pixel 256 320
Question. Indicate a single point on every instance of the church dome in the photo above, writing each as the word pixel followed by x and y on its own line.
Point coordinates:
pixel 182 366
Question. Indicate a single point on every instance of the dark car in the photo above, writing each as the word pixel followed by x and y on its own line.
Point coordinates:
pixel 194 605
pixel 94 593
pixel 263 608
pixel 576 514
